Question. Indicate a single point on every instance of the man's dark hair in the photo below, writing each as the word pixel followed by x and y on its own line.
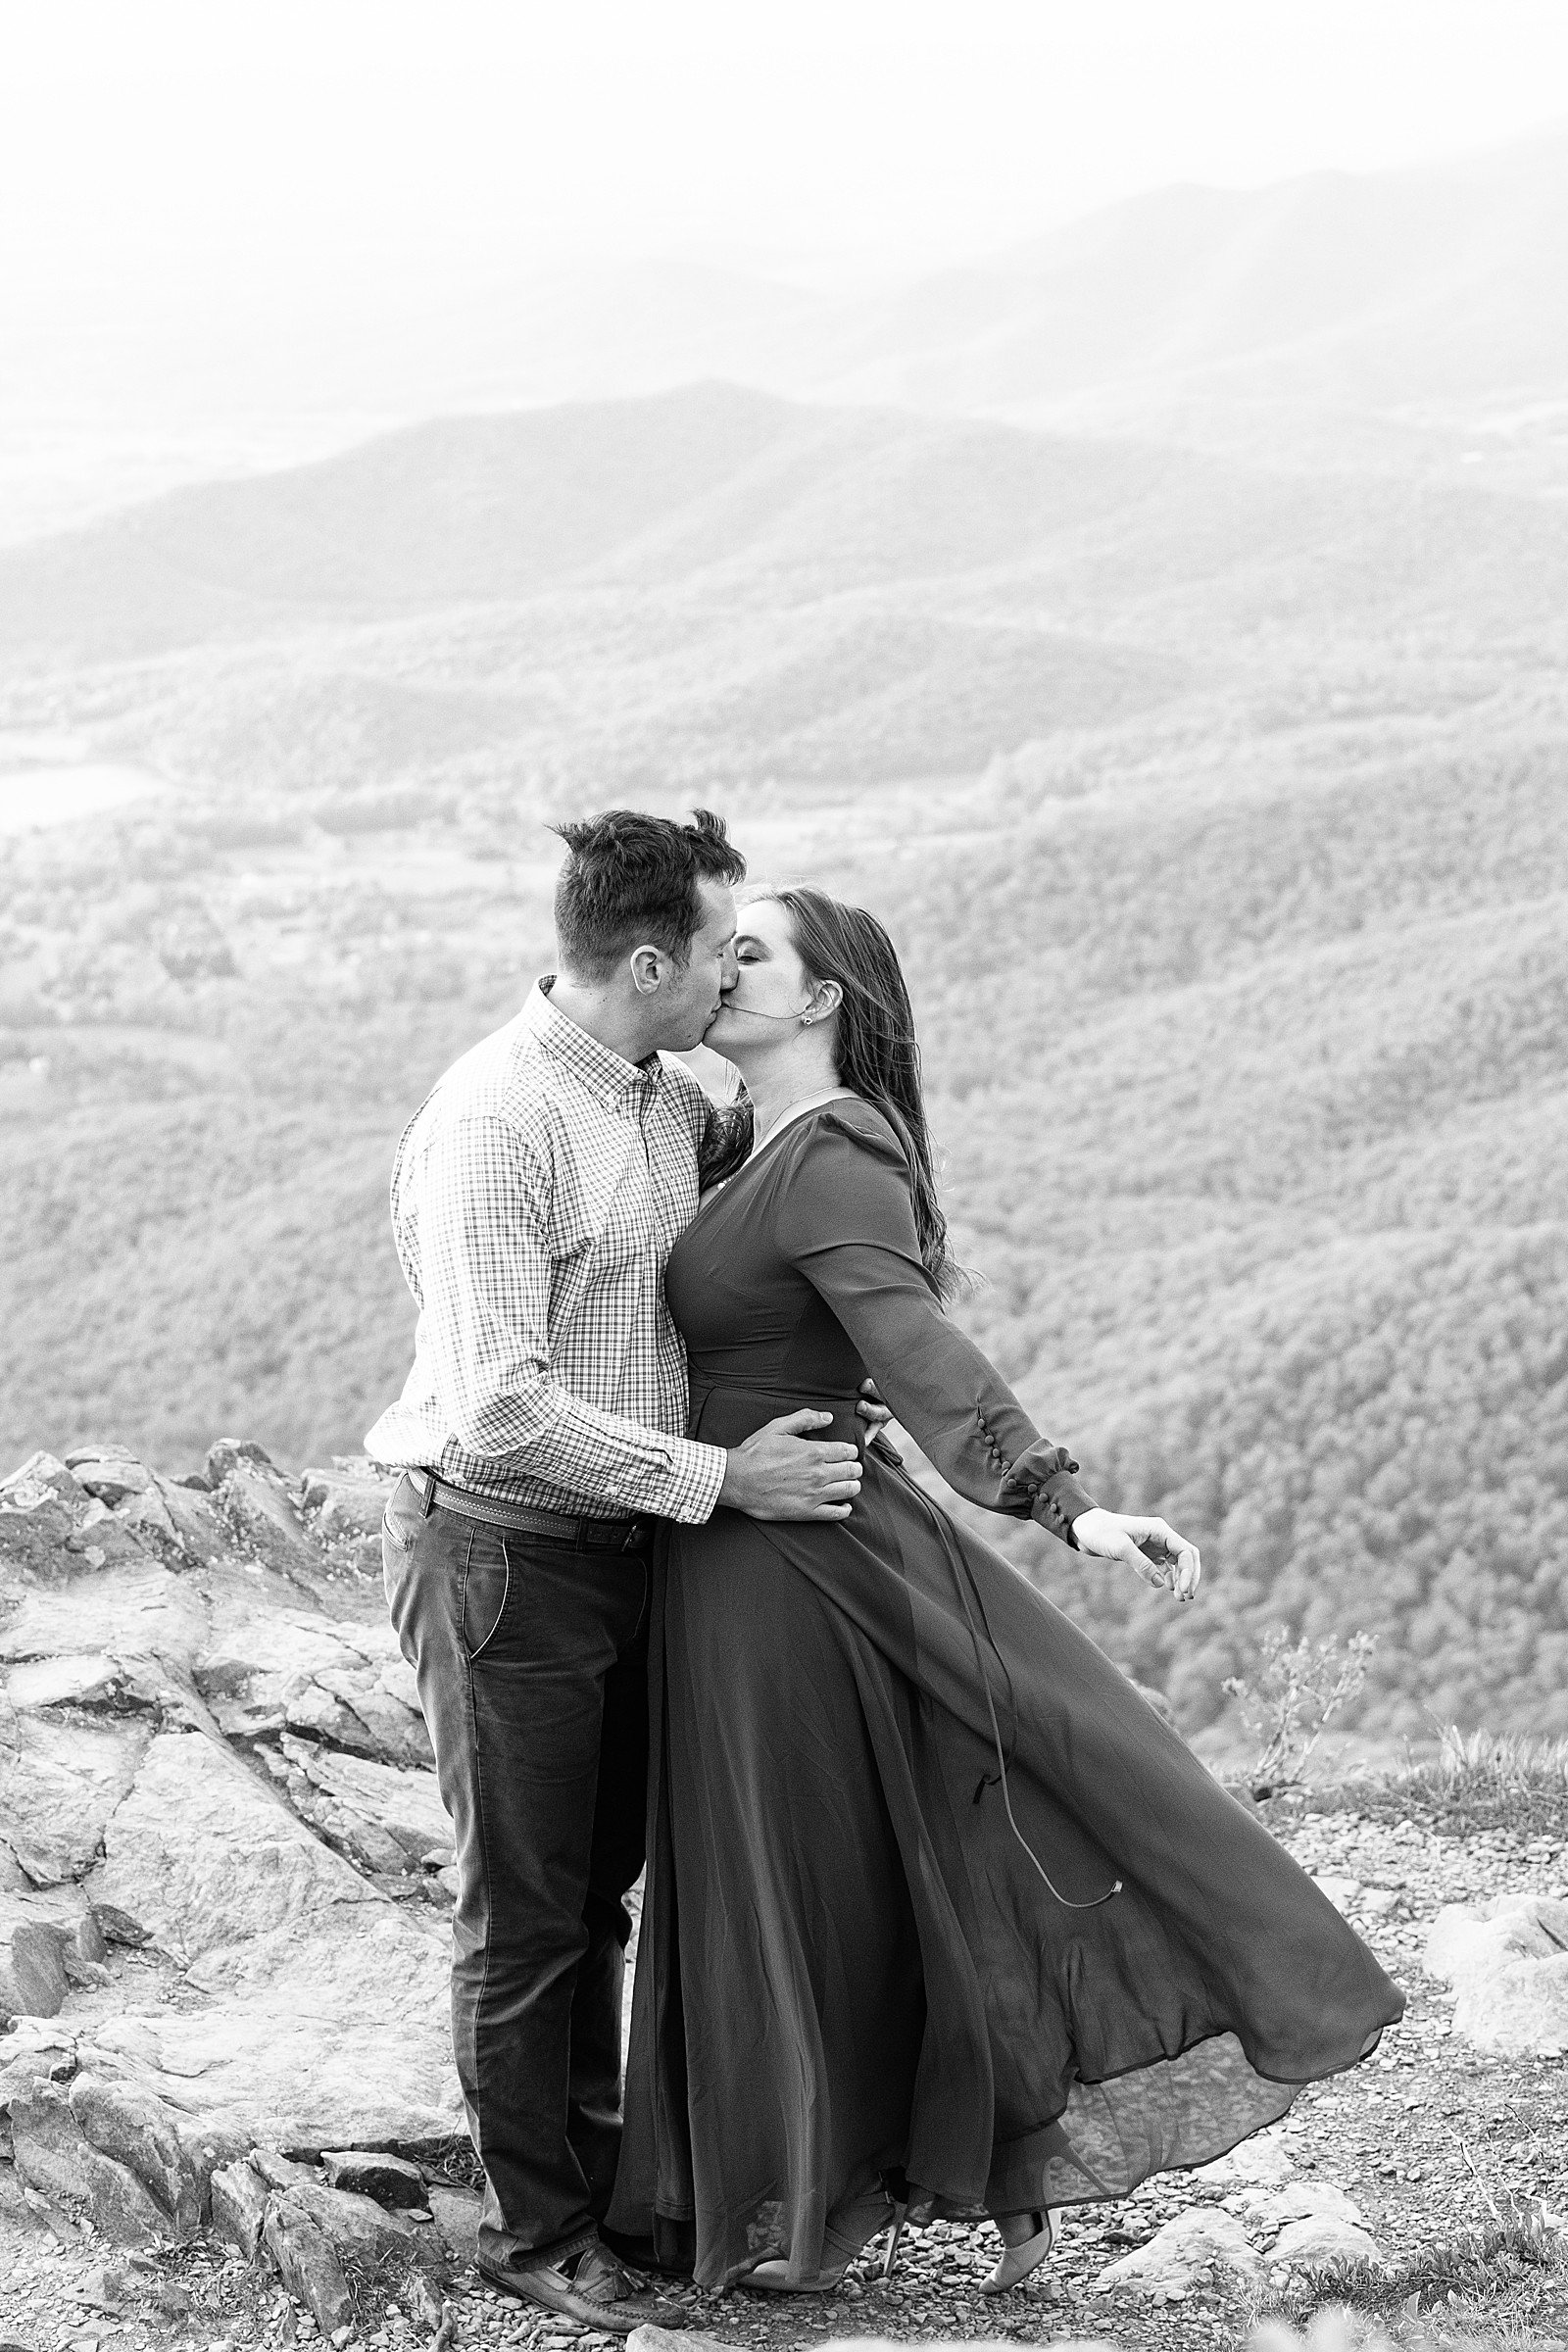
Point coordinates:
pixel 632 880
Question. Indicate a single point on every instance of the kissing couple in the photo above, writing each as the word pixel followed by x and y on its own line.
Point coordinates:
pixel 939 1918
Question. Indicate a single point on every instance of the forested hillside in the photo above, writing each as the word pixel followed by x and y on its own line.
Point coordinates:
pixel 1220 814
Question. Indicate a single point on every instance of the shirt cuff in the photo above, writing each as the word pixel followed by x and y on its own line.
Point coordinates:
pixel 696 1475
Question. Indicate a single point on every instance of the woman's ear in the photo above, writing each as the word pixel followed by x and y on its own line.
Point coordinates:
pixel 826 998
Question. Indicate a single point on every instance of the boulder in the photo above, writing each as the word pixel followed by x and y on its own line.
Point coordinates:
pixel 268 1667
pixel 1507 1960
pixel 1307 2200
pixel 307 2264
pixel 139 2132
pixel 277 2170
pixel 389 2180
pixel 251 1495
pixel 1267 2160
pixel 1324 2241
pixel 90 1678
pixel 110 2286
pixel 1203 2237
pixel 41 1508
pixel 347 1502
pixel 356 2225
pixel 139 1610
pixel 32 2053
pixel 457 2215
pixel 372 1720
pixel 53 2155
pixel 388 1820
pixel 48 1941
pixel 239 2203
pixel 164 1515
pixel 39 1481
pixel 108 1472
pixel 325 2017
pixel 689 2339
pixel 32 1975
pixel 422 2300
pixel 60 1784
pixel 194 1518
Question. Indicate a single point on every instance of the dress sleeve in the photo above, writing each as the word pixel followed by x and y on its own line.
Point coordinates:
pixel 845 1221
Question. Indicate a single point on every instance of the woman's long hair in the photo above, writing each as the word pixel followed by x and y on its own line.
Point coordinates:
pixel 877 1054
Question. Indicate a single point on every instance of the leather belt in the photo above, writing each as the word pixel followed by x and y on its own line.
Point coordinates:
pixel 584 1535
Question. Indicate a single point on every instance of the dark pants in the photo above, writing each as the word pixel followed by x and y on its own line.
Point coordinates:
pixel 532 1664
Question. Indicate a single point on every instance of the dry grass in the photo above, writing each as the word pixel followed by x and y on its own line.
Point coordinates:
pixel 1477 1781
pixel 1339 2329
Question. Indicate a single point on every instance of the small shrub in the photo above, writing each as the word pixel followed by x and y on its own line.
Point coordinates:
pixel 1473 2266
pixel 1301 1684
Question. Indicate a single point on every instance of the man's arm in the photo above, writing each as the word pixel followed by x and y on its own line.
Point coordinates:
pixel 485 1276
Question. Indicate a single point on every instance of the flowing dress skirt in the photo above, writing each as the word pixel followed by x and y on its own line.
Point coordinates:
pixel 850 1967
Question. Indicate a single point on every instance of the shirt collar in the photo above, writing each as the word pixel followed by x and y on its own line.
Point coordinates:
pixel 566 1042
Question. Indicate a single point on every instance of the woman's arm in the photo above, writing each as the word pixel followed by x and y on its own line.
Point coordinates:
pixel 846 1221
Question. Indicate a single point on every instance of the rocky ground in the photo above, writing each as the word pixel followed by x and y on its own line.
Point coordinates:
pixel 226 2112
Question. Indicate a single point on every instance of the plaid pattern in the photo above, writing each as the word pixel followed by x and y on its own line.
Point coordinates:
pixel 537 1194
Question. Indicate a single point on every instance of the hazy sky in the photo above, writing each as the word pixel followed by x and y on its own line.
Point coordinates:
pixel 242 233
pixel 305 138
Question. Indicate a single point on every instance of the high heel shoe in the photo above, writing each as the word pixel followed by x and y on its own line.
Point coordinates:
pixel 843 2235
pixel 1018 2261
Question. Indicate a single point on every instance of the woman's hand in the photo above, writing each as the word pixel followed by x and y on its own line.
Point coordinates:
pixel 1151 1546
pixel 873 1410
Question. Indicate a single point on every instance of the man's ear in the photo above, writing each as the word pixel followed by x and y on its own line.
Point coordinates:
pixel 646 969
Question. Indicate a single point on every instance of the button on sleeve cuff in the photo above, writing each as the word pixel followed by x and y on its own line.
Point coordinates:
pixel 1043 1481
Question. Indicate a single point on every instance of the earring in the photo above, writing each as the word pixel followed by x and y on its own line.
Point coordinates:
pixel 806 1018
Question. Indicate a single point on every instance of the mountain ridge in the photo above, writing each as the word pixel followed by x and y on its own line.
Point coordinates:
pixel 1216 812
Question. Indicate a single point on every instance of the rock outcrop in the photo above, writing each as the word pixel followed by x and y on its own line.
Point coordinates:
pixel 1508 1961
pixel 1267 2224
pixel 225 1868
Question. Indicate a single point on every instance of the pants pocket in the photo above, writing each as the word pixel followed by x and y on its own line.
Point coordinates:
pixel 486 1590
pixel 403 1517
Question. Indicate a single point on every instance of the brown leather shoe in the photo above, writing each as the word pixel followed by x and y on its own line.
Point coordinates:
pixel 601 2293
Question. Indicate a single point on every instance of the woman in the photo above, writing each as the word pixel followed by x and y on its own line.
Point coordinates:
pixel 937 1909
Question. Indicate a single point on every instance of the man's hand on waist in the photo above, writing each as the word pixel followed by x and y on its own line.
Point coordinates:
pixel 781 1472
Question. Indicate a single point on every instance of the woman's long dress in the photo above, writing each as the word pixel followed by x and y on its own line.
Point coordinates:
pixel 848 1965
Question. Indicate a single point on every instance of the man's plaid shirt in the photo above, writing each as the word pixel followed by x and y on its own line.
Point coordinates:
pixel 536 1195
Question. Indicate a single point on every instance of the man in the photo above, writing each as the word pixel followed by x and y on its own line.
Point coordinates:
pixel 536 1197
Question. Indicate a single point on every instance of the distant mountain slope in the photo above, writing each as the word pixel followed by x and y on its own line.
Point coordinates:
pixel 1441 288
pixel 711 486
pixel 1218 814
pixel 1404 322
